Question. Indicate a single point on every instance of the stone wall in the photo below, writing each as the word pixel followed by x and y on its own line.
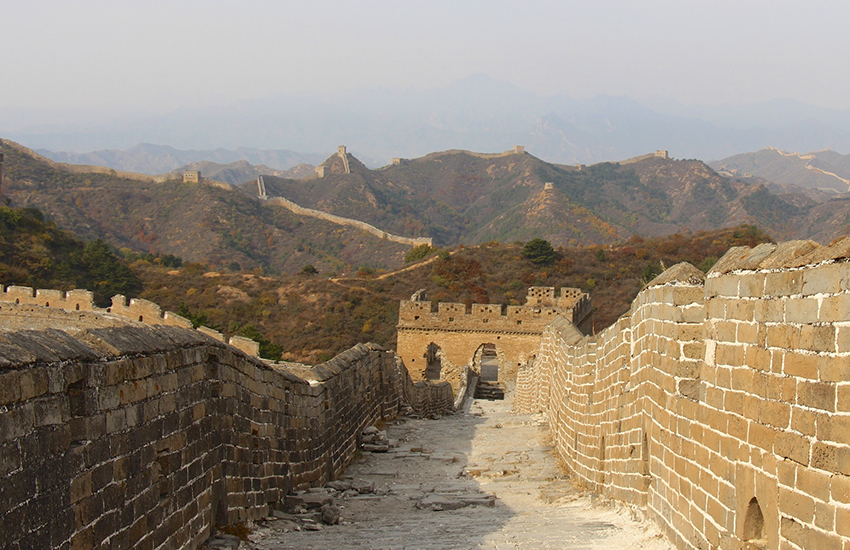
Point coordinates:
pixel 461 331
pixel 720 405
pixel 339 220
pixel 152 436
pixel 21 307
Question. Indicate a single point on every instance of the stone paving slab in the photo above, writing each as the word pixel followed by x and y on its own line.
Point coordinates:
pixel 488 480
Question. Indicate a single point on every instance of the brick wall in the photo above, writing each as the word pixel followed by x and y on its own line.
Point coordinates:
pixel 151 436
pixel 720 405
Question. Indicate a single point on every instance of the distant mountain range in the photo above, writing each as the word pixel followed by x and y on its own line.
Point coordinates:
pixel 455 197
pixel 241 171
pixel 475 113
pixel 826 169
pixel 459 197
pixel 147 158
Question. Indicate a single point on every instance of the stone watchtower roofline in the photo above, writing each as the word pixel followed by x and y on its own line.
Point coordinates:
pixel 542 305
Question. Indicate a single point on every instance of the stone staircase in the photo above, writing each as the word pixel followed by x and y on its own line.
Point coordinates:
pixel 489 390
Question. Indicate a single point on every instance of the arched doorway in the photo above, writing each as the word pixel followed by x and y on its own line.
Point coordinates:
pixel 489 363
pixel 433 362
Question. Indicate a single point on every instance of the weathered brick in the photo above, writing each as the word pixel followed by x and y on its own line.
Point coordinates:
pixel 792 446
pixel 818 395
pixel 801 310
pixel 802 365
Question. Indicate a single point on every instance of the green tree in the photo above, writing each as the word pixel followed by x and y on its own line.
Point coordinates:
pixel 539 251
pixel 309 269
pixel 419 252
pixel 106 276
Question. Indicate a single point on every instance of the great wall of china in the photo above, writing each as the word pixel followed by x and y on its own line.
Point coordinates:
pixel 127 429
pixel 719 405
pixel 339 220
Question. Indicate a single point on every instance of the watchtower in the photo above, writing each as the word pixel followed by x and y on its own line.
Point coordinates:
pixel 519 149
pixel 662 154
pixel 192 176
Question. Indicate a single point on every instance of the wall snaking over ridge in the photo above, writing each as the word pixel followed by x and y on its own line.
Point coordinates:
pixel 152 436
pixel 719 404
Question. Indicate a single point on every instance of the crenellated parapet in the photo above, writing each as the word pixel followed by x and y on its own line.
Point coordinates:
pixel 22 307
pixel 460 331
pixel 542 305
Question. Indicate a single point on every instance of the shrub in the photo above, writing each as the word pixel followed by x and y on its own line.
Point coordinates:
pixel 539 251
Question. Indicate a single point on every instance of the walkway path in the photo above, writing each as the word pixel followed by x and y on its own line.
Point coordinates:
pixel 440 462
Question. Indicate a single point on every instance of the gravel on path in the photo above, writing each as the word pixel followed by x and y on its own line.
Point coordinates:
pixel 482 478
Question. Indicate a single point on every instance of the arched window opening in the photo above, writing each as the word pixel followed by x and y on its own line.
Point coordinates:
pixel 433 361
pixel 754 524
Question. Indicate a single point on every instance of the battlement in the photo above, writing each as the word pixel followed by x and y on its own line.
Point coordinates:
pixel 542 305
pixel 75 309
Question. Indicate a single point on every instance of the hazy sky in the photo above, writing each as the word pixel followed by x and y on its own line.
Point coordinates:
pixel 146 56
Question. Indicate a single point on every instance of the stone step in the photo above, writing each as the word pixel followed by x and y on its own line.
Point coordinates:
pixel 489 390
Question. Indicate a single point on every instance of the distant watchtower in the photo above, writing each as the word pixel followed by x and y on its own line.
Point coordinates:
pixel 519 149
pixel 192 176
pixel 662 154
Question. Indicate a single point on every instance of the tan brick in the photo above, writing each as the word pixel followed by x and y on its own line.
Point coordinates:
pixel 834 369
pixel 843 391
pixel 783 283
pixel 81 487
pixel 802 365
pixel 792 446
pixel 842 521
pixel 839 487
pixel 774 413
pixel 801 310
pixel 788 390
pixel 786 473
pixel 769 311
pixel 724 331
pixel 761 436
pixel 813 483
pixel 818 338
pixel 822 280
pixel 740 310
pixel 834 428
pixel 818 395
pixel 725 285
pixel 734 402
pixel 757 358
pixel 797 505
pixel 834 308
pixel 748 333
pixel 825 457
pixel 823 541
pixel 843 340
pixel 824 516
pixel 804 421
pixel 782 336
pixel 742 379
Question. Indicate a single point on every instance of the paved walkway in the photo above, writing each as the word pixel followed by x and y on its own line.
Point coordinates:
pixel 470 458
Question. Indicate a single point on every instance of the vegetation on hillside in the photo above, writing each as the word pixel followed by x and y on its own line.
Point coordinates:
pixel 35 253
pixel 312 318
pixel 200 223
